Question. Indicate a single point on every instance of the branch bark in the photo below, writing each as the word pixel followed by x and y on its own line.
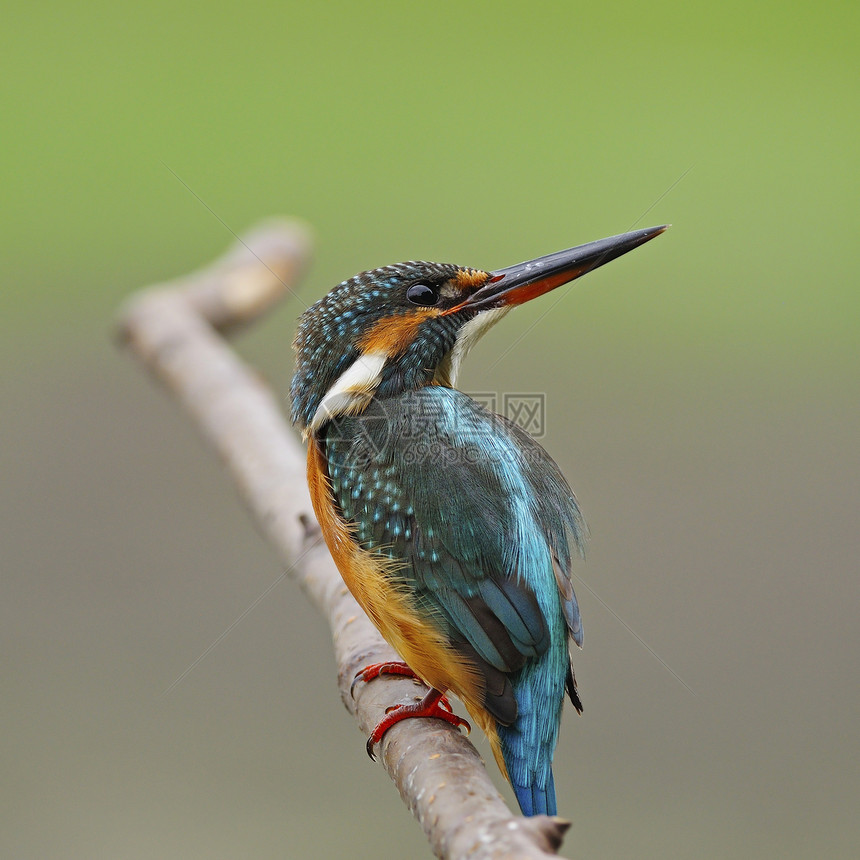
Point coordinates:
pixel 175 331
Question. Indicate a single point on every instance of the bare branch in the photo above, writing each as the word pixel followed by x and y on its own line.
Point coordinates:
pixel 173 329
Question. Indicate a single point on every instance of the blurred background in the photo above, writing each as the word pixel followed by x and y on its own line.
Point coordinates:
pixel 702 394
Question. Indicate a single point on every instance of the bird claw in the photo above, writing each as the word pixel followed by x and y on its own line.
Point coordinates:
pixel 434 704
pixel 369 747
pixel 368 673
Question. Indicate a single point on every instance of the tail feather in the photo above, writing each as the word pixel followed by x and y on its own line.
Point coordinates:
pixel 529 767
pixel 528 744
pixel 534 800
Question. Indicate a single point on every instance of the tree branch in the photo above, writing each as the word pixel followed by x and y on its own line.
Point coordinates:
pixel 174 330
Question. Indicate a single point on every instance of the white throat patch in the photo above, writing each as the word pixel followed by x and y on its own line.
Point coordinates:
pixel 352 390
pixel 468 335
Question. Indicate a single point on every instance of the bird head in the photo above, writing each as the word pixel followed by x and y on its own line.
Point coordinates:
pixel 404 326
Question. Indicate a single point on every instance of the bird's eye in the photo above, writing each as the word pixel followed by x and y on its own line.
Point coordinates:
pixel 422 294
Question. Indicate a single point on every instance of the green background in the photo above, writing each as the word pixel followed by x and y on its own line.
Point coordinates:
pixel 702 397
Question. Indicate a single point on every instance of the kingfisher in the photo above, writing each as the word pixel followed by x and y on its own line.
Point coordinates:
pixel 454 529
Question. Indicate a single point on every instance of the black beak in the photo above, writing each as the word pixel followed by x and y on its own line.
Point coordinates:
pixel 518 284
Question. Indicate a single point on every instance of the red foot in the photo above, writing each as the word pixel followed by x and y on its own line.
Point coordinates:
pixel 434 704
pixel 368 673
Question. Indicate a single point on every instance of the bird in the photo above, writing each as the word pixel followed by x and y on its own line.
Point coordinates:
pixel 453 528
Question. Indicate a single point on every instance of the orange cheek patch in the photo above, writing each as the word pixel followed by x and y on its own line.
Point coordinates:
pixel 392 335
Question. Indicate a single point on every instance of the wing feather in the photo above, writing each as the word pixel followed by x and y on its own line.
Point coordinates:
pixel 454 492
